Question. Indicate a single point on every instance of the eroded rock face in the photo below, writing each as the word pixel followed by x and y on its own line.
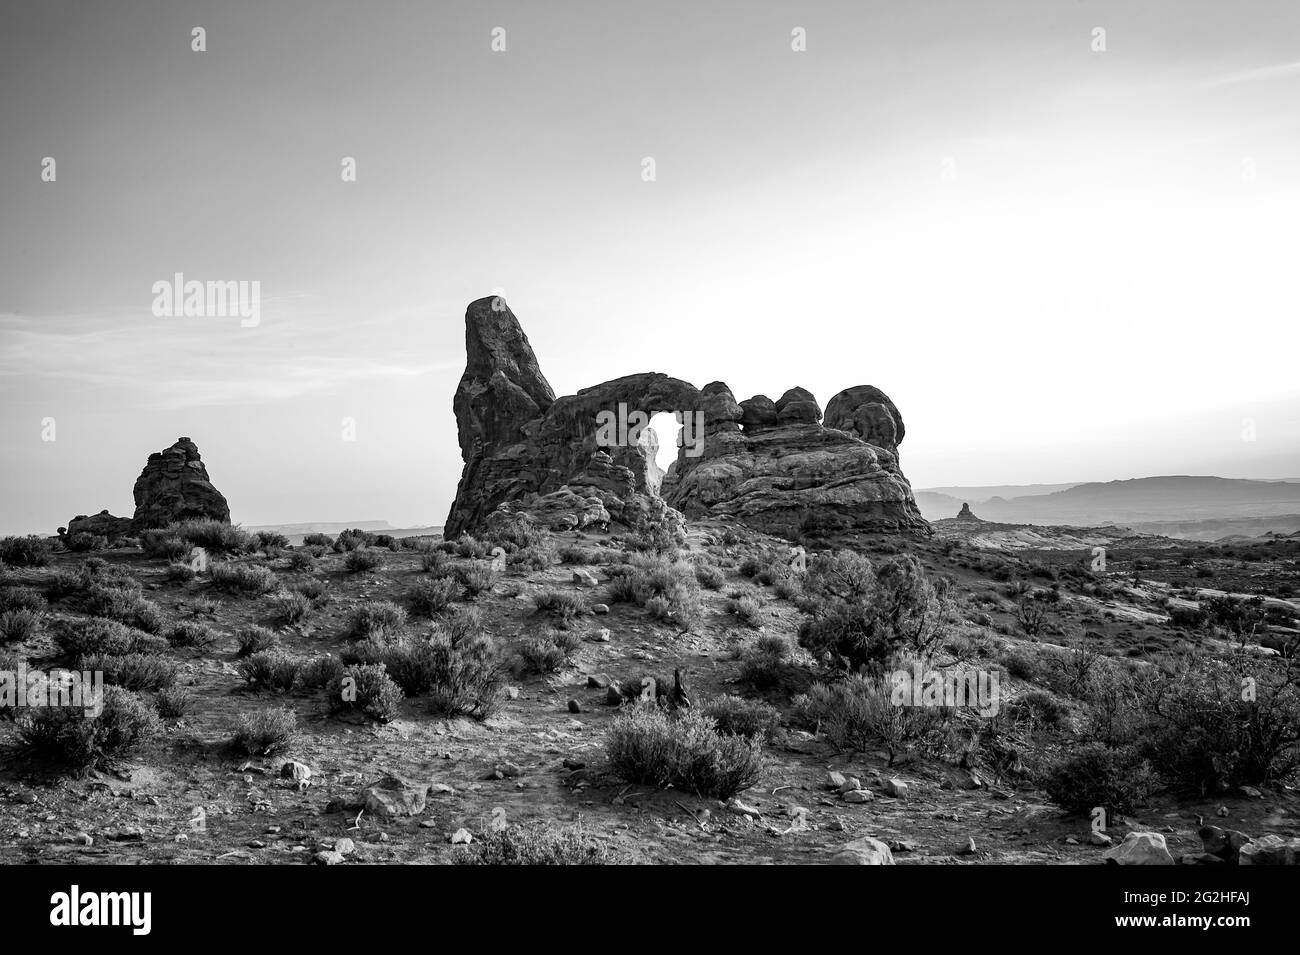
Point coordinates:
pixel 174 486
pixel 102 524
pixel 585 459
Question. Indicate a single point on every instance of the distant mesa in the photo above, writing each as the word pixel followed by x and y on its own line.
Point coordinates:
pixel 774 465
pixel 174 486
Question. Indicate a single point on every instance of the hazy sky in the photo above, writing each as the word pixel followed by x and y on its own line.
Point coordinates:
pixel 1061 264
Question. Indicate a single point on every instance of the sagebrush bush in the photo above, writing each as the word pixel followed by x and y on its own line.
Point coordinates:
pixel 131 671
pixel 18 625
pixel 254 639
pixel 172 702
pixel 82 541
pixel 747 610
pixel 178 573
pixel 859 713
pixel 575 555
pixel 376 618
pixel 301 560
pixel 290 607
pixel 465 675
pixel 766 663
pixel 476 578
pixel 533 558
pixel 539 843
pixel 565 606
pixel 428 597
pixel 318 540
pixel 68 736
pixel 363 560
pixel 312 589
pixel 188 633
pixel 270 670
pixel 91 636
pixel 547 654
pixel 213 536
pixel 29 551
pixel 269 541
pixel 366 689
pixel 21 598
pixel 1093 774
pixel 709 577
pixel 436 562
pixel 667 588
pixel 320 672
pixel 863 614
pixel 235 578
pixel 467 546
pixel 265 731
pixel 122 601
pixel 740 717
pixel 521 532
pixel 683 750
pixel 161 543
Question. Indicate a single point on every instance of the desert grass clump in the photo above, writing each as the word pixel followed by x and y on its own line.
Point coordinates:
pixel 367 690
pixel 428 597
pixel 270 670
pixel 172 702
pixel 29 551
pixel 565 606
pixel 254 639
pixel 376 618
pixel 290 607
pixel 214 537
pixel 320 672
pixel 21 598
pixel 476 578
pixel 98 636
pixel 132 671
pixel 666 588
pixel 684 750
pixel 68 736
pixel 246 579
pixel 19 625
pixel 188 633
pixel 264 732
pixel 538 843
pixel 737 716
pixel 363 560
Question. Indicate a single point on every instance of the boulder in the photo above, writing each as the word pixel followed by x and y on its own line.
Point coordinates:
pixel 393 797
pixel 757 413
pixel 1224 843
pixel 1270 850
pixel 798 406
pixel 174 486
pixel 864 851
pixel 1140 848
pixel 102 524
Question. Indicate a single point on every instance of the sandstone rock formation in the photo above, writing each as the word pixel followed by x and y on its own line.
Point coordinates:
pixel 966 514
pixel 102 524
pixel 587 459
pixel 174 486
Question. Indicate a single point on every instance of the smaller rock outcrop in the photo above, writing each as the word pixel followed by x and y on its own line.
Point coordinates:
pixel 174 486
pixel 966 514
pixel 102 524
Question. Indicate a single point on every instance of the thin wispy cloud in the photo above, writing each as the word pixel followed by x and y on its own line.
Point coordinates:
pixel 1279 71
